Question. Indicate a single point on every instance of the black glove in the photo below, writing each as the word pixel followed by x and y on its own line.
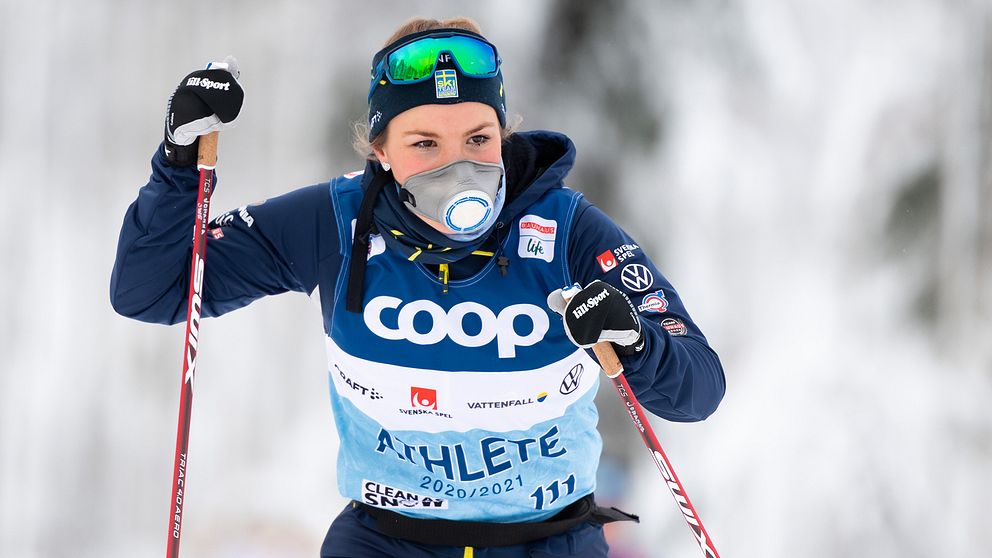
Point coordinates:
pixel 205 101
pixel 597 313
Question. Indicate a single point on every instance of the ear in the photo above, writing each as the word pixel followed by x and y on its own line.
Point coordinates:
pixel 380 155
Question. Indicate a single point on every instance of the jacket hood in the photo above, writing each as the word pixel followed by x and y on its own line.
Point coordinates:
pixel 535 162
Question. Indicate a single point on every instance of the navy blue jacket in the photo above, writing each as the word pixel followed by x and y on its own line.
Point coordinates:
pixel 291 243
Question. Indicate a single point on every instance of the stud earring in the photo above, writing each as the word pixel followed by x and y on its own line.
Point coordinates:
pixel 385 166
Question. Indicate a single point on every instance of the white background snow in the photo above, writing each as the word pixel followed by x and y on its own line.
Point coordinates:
pixel 814 176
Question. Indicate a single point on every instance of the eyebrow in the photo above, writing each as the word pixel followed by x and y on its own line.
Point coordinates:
pixel 428 134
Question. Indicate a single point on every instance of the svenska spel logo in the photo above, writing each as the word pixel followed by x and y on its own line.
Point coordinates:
pixel 423 398
pixel 446 84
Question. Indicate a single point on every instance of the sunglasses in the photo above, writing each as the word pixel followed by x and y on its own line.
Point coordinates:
pixel 415 61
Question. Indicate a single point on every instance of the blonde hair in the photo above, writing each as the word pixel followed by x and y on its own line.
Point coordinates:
pixel 360 128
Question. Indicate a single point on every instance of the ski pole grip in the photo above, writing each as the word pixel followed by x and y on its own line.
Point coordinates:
pixel 605 354
pixel 206 155
pixel 608 359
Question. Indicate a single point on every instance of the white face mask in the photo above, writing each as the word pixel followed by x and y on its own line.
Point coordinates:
pixel 465 196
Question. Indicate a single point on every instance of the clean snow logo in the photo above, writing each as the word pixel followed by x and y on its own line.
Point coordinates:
pixel 383 496
pixel 449 324
pixel 654 302
pixel 571 381
pixel 445 84
pixel 637 278
pixel 537 238
pixel 207 83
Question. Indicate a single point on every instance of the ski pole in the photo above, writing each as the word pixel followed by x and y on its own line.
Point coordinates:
pixel 611 365
pixel 205 162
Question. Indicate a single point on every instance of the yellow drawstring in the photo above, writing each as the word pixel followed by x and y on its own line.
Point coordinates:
pixel 482 253
pixel 442 274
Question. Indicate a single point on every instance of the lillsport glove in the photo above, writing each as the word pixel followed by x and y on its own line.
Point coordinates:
pixel 205 101
pixel 599 312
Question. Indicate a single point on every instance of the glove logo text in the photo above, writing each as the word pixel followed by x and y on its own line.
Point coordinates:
pixel 208 83
pixel 589 304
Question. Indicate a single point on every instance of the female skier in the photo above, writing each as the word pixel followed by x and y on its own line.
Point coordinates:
pixel 464 406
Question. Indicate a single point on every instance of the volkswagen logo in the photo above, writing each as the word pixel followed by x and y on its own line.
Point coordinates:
pixel 571 380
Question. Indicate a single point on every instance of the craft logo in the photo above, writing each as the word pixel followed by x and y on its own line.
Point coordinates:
pixel 375 119
pixel 446 84
pixel 637 278
pixel 606 261
pixel 423 398
pixel 537 238
pixel 571 380
pixel 369 392
pixel 674 326
pixel 542 396
pixel 654 302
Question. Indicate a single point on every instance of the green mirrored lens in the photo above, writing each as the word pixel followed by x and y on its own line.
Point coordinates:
pixel 416 60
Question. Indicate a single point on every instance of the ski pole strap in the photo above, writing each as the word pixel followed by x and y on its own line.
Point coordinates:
pixel 477 534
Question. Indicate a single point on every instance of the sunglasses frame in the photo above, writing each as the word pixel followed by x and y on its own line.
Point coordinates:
pixel 380 71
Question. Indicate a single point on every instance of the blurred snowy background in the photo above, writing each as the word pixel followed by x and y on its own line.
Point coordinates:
pixel 814 176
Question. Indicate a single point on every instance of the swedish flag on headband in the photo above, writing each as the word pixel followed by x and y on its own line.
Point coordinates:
pixel 446 84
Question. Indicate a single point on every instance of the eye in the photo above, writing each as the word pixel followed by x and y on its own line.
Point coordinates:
pixel 479 139
pixel 424 144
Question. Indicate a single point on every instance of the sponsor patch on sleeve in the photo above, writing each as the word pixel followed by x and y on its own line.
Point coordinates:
pixel 537 238
pixel 674 326
pixel 383 496
pixel 654 302
pixel 636 277
pixel 607 261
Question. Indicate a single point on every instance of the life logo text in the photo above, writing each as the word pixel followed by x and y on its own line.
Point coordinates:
pixel 449 324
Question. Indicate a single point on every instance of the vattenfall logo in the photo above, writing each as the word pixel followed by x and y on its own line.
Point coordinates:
pixel 450 324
